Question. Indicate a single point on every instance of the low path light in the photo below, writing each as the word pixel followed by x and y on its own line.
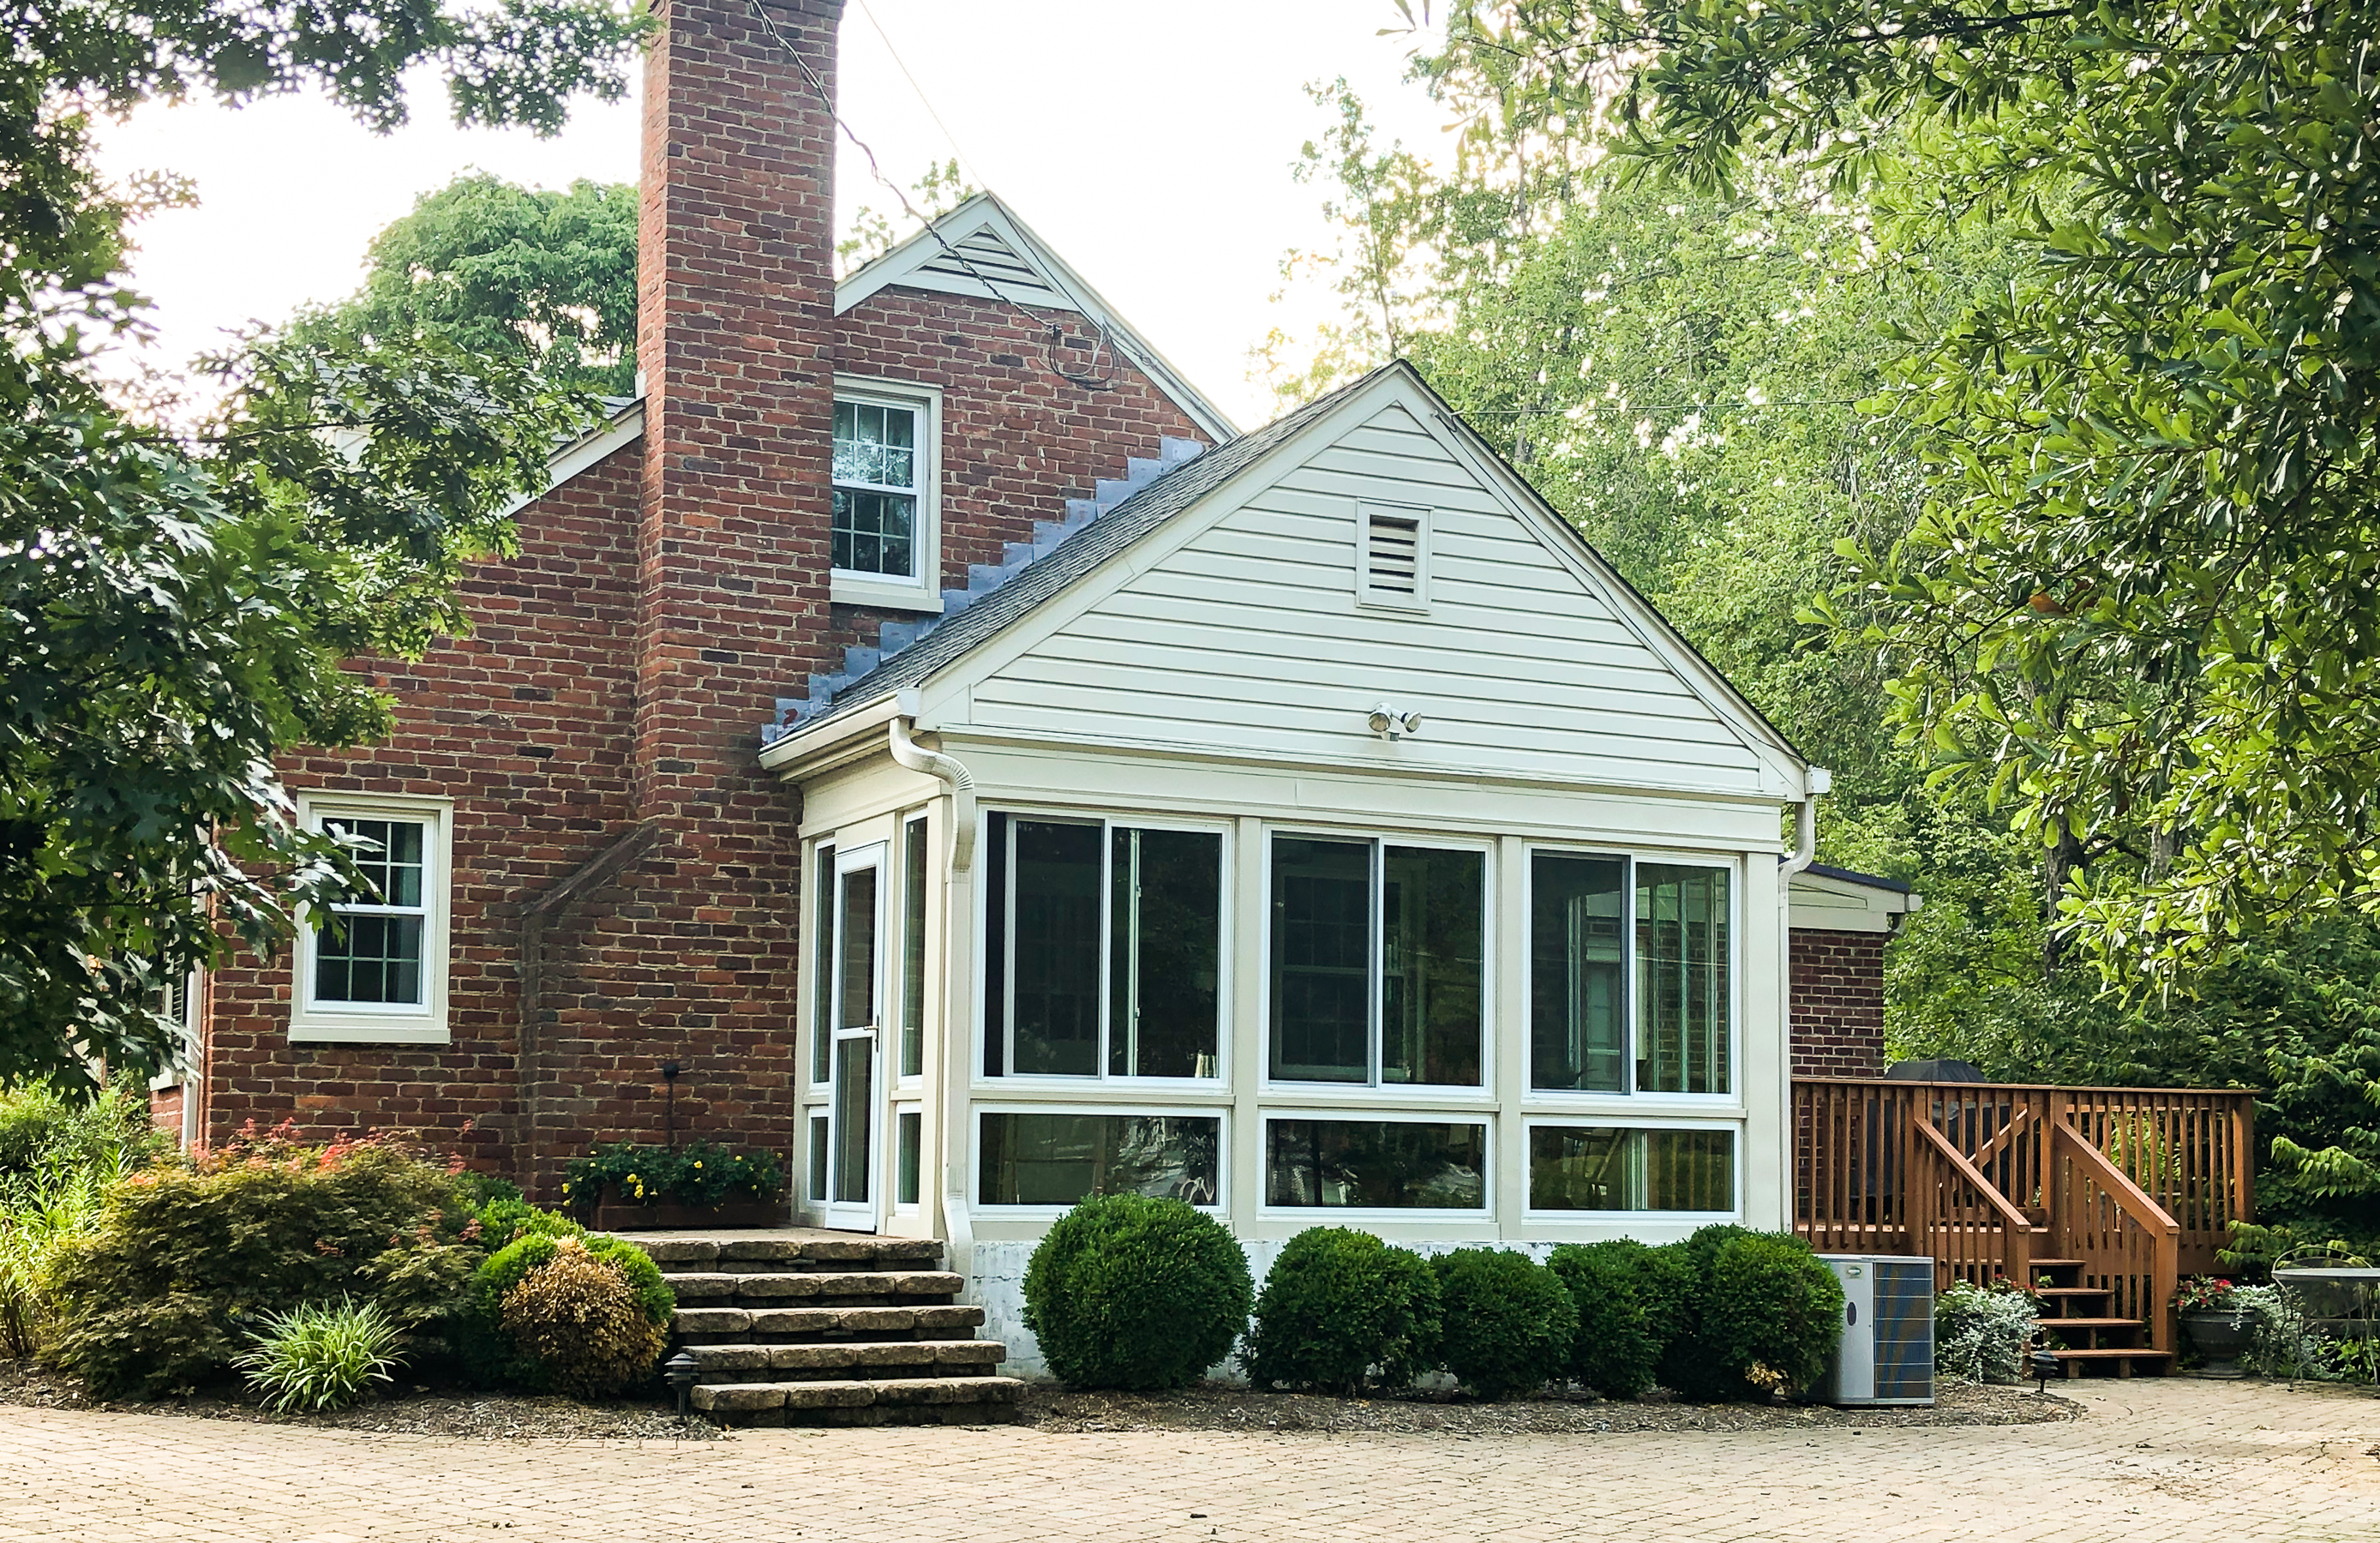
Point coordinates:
pixel 682 1371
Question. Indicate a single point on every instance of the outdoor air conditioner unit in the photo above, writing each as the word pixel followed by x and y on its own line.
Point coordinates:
pixel 1886 1354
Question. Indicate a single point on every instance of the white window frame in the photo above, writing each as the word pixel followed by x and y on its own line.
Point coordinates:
pixel 1372 1087
pixel 929 1016
pixel 365 1023
pixel 1219 1114
pixel 1625 1123
pixel 1226 900
pixel 1366 596
pixel 924 591
pixel 1628 1092
pixel 893 1205
pixel 1323 1216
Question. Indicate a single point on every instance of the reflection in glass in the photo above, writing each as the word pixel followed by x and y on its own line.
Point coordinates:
pixel 1056 1159
pixel 913 949
pixel 912 1147
pixel 854 1101
pixel 822 974
pixel 1381 1164
pixel 857 948
pixel 1432 923
pixel 1682 1007
pixel 1576 973
pixel 1321 959
pixel 1164 926
pixel 1056 1017
pixel 1609 1170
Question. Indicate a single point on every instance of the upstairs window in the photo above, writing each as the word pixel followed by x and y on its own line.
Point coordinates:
pixel 375 970
pixel 883 539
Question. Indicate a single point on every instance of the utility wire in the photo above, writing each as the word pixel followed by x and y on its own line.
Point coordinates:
pixel 1053 330
pixel 923 100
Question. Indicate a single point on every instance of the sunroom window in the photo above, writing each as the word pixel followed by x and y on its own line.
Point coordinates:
pixel 1375 1164
pixel 1604 1169
pixel 1642 1005
pixel 1104 950
pixel 1058 1159
pixel 1377 956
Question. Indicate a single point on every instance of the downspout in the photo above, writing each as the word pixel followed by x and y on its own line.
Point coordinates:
pixel 958 934
pixel 1816 779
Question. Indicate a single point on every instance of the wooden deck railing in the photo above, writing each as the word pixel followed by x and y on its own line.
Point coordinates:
pixel 2139 1184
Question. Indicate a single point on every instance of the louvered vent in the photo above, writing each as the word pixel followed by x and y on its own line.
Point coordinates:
pixel 1392 556
pixel 985 258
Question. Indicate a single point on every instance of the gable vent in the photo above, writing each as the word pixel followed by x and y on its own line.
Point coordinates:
pixel 989 258
pixel 1394 570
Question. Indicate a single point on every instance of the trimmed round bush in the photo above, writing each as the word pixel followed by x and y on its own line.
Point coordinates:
pixel 492 1354
pixel 1342 1311
pixel 1771 1315
pixel 1684 1285
pixel 1506 1323
pixel 1131 1291
pixel 1614 1351
pixel 577 1319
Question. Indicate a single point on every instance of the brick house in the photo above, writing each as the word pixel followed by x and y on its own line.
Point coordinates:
pixel 922 720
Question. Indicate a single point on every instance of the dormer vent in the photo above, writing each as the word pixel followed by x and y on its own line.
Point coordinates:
pixel 1395 569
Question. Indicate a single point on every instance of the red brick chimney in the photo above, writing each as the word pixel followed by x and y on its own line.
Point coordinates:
pixel 736 294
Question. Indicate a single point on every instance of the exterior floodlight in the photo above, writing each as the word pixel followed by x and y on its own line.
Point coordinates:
pixel 1389 724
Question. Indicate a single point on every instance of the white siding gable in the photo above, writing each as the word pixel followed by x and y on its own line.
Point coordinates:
pixel 1242 629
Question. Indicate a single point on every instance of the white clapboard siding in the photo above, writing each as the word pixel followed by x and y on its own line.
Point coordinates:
pixel 1248 639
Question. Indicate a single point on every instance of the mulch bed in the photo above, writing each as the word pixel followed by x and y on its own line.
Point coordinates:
pixel 410 1412
pixel 1222 1408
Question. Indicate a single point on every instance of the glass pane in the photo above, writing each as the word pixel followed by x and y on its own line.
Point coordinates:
pixel 874 532
pixel 1056 1159
pixel 817 1157
pixel 913 949
pixel 1321 960
pixel 822 969
pixel 1576 973
pixel 1682 979
pixel 1383 1164
pixel 876 446
pixel 374 959
pixel 855 1099
pixel 393 863
pixel 1165 922
pixel 857 936
pixel 912 1147
pixel 1431 929
pixel 994 857
pixel 1591 1168
pixel 1057 949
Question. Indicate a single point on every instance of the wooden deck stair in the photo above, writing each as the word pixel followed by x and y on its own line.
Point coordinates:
pixel 803 1327
pixel 2075 1327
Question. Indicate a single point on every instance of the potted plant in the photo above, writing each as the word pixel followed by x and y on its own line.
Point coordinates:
pixel 629 1188
pixel 2211 1319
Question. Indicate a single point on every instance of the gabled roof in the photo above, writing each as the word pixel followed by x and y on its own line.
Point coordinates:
pixel 1094 547
pixel 982 248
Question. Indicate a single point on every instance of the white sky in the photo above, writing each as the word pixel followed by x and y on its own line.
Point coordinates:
pixel 1149 143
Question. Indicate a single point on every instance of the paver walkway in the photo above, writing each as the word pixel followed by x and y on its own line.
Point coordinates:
pixel 2156 1459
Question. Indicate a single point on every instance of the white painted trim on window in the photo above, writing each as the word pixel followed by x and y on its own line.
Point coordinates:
pixel 924 591
pixel 312 1023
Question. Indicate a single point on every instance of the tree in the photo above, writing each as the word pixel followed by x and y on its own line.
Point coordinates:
pixel 2140 608
pixel 175 603
pixel 504 272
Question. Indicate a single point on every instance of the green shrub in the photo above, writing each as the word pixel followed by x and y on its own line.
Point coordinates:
pixel 1979 1335
pixel 1130 1292
pixel 184 1261
pixel 1614 1351
pixel 1681 1282
pixel 1340 1310
pixel 1771 1315
pixel 108 1132
pixel 506 1218
pixel 1507 1323
pixel 490 1355
pixel 578 1322
pixel 321 1357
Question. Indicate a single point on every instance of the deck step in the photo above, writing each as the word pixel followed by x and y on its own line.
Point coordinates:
pixel 2102 1323
pixel 2073 1363
pixel 921 1399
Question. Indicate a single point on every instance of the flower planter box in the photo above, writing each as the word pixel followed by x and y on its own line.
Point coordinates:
pixel 616 1215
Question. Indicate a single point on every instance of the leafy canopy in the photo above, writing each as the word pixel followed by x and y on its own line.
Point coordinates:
pixel 176 603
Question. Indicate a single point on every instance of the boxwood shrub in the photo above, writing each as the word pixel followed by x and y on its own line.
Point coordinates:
pixel 1130 1292
pixel 1506 1325
pixel 1343 1311
pixel 1771 1315
pixel 1614 1351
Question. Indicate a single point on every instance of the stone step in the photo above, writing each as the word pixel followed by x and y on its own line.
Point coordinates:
pixel 812 1253
pixel 909 1400
pixel 872 1358
pixel 846 1288
pixel 720 1325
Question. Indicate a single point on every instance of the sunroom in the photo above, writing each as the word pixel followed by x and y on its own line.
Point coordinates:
pixel 1320 834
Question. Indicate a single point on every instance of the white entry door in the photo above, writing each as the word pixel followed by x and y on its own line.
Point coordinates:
pixel 856 1065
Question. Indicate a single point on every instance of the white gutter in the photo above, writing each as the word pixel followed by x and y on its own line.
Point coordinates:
pixel 909 753
pixel 1816 779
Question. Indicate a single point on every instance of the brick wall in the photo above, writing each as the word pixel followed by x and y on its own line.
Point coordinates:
pixel 1838 1002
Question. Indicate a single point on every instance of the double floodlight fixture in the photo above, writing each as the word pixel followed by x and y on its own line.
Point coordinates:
pixel 1389 724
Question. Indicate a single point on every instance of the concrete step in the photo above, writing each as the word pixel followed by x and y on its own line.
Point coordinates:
pixel 868 1358
pixel 739 1325
pixel 842 1288
pixel 909 1400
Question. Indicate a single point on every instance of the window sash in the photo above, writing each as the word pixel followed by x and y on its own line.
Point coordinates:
pixel 1676 976
pixel 879 452
pixel 1610 1169
pixel 401 965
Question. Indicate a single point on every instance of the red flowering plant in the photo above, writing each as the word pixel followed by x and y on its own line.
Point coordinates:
pixel 2203 1293
pixel 187 1257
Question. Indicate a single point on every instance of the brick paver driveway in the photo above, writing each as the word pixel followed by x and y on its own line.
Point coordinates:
pixel 2159 1459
